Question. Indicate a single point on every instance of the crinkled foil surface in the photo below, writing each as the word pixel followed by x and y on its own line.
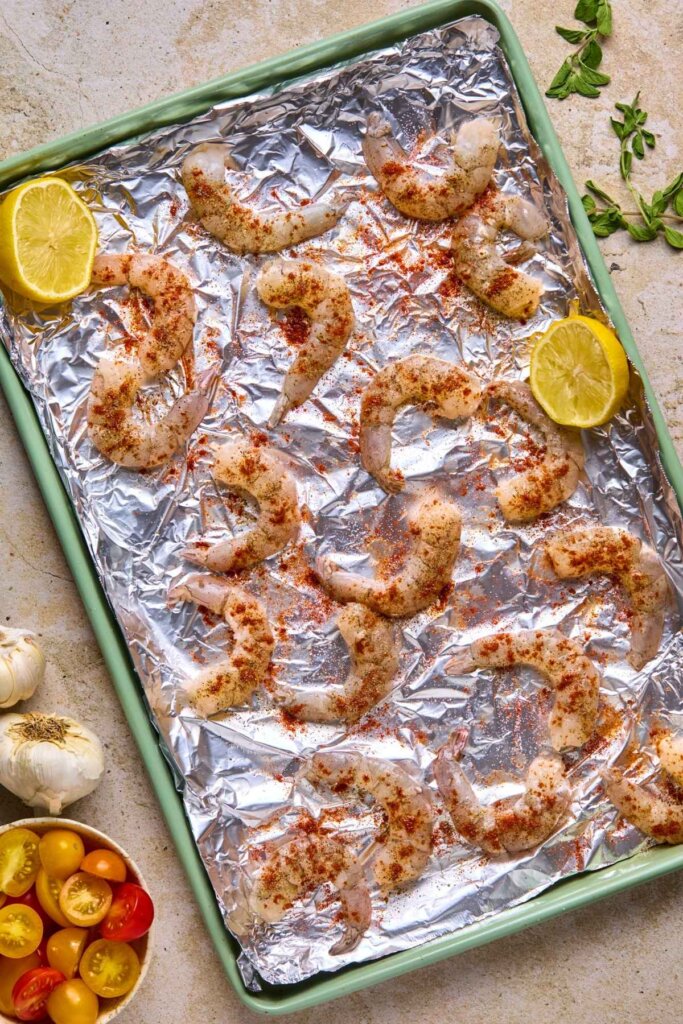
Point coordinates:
pixel 236 773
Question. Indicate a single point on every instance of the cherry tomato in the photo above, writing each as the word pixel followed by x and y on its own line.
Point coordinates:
pixel 30 899
pixel 20 931
pixel 19 861
pixel 61 852
pixel 65 949
pixel 105 864
pixel 10 972
pixel 110 969
pixel 42 951
pixel 47 891
pixel 73 1003
pixel 31 992
pixel 131 914
pixel 85 900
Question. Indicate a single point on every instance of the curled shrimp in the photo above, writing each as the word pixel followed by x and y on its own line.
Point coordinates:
pixel 325 298
pixel 300 866
pixel 506 826
pixel 421 380
pixel 374 663
pixel 406 841
pixel 232 680
pixel 656 812
pixel 239 226
pixel 616 552
pixel 435 530
pixel 542 487
pixel 483 269
pixel 572 675
pixel 439 192
pixel 258 471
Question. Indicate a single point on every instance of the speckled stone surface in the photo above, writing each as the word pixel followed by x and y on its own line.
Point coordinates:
pixel 66 64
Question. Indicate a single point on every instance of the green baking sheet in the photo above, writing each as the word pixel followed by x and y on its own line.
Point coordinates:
pixel 566 895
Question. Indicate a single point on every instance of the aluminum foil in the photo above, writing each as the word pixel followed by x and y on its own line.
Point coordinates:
pixel 237 772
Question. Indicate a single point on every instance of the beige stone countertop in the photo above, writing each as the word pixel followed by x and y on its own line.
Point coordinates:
pixel 67 64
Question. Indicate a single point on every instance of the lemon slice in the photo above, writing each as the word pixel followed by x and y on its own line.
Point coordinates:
pixel 48 239
pixel 579 372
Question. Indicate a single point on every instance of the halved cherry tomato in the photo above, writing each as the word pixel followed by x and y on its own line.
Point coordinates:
pixel 131 914
pixel 85 900
pixel 31 991
pixel 73 1003
pixel 61 852
pixel 20 931
pixel 65 949
pixel 19 861
pixel 10 972
pixel 110 969
pixel 47 891
pixel 105 864
pixel 30 899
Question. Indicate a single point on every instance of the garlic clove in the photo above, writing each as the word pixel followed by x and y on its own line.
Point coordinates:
pixel 22 666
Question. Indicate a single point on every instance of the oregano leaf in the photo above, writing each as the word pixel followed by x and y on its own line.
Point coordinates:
pixel 592 54
pixel 586 11
pixel 673 237
pixel 572 35
pixel 641 232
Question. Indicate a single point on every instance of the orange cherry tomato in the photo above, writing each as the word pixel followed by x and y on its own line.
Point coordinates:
pixel 72 1002
pixel 105 864
pixel 61 852
pixel 19 861
pixel 65 949
pixel 31 992
pixel 10 972
pixel 110 969
pixel 85 899
pixel 47 891
pixel 20 931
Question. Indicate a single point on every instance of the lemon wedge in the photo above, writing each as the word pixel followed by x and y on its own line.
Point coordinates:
pixel 579 372
pixel 48 238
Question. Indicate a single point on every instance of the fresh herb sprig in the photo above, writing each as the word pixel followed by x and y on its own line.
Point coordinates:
pixel 579 73
pixel 605 213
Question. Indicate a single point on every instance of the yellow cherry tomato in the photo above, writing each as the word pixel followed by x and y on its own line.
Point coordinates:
pixel 105 864
pixel 109 968
pixel 20 930
pixel 65 949
pixel 72 1002
pixel 19 861
pixel 85 900
pixel 47 891
pixel 10 972
pixel 61 852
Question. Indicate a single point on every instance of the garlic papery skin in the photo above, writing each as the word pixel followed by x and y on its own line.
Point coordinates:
pixel 48 761
pixel 22 666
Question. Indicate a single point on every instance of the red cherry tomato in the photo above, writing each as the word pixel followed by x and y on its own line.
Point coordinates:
pixel 29 899
pixel 30 993
pixel 130 916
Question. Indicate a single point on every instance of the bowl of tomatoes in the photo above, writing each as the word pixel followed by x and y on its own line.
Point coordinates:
pixel 76 924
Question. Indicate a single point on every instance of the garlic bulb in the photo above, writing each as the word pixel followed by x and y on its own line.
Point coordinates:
pixel 48 761
pixel 22 666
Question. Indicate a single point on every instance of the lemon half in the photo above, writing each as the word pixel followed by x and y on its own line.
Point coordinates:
pixel 48 239
pixel 579 372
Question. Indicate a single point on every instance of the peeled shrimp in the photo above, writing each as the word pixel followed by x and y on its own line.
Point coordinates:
pixel 243 228
pixel 615 551
pixel 260 472
pixel 406 843
pixel 571 674
pixel 374 662
pixel 483 269
pixel 658 814
pixel 325 298
pixel 669 747
pixel 232 680
pixel 554 479
pixel 435 528
pixel 505 826
pixel 439 192
pixel 418 380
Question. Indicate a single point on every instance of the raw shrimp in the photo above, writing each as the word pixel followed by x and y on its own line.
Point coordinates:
pixel 506 826
pixel 439 192
pixel 232 680
pixel 483 269
pixel 406 841
pixel 241 227
pixel 616 552
pixel 669 747
pixel 571 674
pixel 258 471
pixel 551 481
pixel 173 317
pixel 325 298
pixel 418 380
pixel 374 662
pixel 299 867
pixel 435 527
pixel 658 814
pixel 127 439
